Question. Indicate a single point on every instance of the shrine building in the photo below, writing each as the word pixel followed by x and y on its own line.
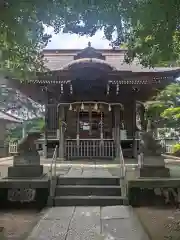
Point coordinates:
pixel 91 98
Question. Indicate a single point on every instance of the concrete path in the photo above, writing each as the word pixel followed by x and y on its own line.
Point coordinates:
pixel 89 223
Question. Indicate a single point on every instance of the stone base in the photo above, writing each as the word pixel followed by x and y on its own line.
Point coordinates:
pixel 154 171
pixel 25 171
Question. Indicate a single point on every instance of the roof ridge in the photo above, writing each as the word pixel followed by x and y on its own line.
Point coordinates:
pixel 9 115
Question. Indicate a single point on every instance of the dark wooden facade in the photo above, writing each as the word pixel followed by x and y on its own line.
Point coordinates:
pixel 92 77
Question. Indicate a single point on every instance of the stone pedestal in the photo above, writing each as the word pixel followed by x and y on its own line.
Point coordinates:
pixel 26 166
pixel 25 171
pixel 153 166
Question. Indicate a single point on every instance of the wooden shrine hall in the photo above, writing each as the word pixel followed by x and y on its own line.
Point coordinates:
pixel 93 101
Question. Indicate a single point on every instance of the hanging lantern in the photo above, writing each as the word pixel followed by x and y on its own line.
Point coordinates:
pixel 109 108
pixel 70 107
pixel 95 106
pixel 82 106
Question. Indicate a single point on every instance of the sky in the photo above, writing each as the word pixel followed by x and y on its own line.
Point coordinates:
pixel 74 41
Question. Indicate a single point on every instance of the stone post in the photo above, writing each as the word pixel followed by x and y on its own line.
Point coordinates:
pixel 24 130
pixel 61 133
pixel 152 163
pixel 45 152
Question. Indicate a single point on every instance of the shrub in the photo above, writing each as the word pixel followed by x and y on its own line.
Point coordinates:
pixel 176 150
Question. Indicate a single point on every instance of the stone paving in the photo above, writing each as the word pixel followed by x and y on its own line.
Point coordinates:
pixel 89 223
pixel 84 172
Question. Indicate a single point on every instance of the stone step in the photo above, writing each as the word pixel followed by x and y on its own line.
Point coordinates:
pixel 88 181
pixel 85 190
pixel 90 201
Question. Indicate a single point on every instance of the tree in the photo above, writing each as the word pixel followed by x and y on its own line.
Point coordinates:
pixel 14 102
pixel 22 35
pixel 149 28
pixel 15 133
pixel 155 32
pixel 165 107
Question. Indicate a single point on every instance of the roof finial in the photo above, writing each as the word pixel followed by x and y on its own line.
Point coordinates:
pixel 89 44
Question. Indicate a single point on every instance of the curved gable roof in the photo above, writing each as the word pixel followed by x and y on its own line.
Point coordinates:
pixel 9 118
pixel 59 59
pixel 88 62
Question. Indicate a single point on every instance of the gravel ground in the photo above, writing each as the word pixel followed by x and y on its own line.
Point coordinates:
pixel 160 224
pixel 18 223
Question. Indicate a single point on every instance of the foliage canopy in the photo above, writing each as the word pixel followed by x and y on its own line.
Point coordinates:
pixel 149 28
pixel 166 106
pixel 14 102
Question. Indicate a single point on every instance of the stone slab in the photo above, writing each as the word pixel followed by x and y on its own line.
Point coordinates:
pixel 62 171
pixel 121 223
pixel 25 171
pixel 96 173
pixel 59 213
pixel 154 183
pixel 89 223
pixel 54 224
pixel 75 172
pixel 85 224
pixel 154 171
pixel 115 212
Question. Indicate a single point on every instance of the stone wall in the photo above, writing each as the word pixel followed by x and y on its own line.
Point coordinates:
pixel 164 196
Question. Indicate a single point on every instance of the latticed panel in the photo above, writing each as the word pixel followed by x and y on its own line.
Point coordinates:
pixel 90 149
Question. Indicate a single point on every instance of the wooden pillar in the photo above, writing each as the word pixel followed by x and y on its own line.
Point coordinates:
pixel 45 150
pixel 134 135
pixel 101 127
pixel 90 120
pixel 117 130
pixel 128 115
pixel 61 133
pixel 77 127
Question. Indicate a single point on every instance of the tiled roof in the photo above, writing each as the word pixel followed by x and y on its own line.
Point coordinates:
pixel 59 59
pixel 87 61
pixel 8 118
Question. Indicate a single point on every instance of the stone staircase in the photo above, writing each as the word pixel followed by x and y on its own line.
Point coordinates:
pixel 88 191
